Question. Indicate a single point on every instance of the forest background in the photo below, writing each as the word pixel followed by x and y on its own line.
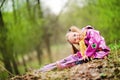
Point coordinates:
pixel 31 35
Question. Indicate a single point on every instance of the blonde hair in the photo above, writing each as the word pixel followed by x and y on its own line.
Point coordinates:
pixel 81 43
pixel 74 29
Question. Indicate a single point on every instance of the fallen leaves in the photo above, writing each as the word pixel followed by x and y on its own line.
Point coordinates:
pixel 93 70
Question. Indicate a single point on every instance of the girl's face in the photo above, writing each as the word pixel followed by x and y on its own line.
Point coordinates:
pixel 73 37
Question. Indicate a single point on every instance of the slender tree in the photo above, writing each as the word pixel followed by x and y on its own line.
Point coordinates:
pixel 38 46
pixel 14 62
pixel 3 45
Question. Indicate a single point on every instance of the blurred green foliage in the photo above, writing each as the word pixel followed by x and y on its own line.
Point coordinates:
pixel 24 31
pixel 24 34
pixel 101 14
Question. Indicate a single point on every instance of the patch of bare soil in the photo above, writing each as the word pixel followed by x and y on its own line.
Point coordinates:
pixel 93 70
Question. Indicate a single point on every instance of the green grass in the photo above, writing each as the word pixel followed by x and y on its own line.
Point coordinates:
pixel 115 52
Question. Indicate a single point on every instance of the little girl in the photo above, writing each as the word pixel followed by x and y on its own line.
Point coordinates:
pixel 90 45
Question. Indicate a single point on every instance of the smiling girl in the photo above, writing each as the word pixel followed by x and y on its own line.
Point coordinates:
pixel 90 45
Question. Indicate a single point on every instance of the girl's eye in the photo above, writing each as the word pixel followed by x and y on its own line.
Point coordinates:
pixel 74 35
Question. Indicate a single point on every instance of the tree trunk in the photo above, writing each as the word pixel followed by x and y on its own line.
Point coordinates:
pixel 49 49
pixel 47 42
pixel 24 63
pixel 14 12
pixel 15 65
pixel 31 18
pixel 39 47
pixel 3 45
pixel 39 54
pixel 39 9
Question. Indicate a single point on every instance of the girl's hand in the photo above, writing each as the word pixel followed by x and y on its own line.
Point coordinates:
pixel 85 57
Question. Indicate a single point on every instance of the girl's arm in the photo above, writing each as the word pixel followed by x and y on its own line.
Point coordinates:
pixel 91 49
pixel 93 43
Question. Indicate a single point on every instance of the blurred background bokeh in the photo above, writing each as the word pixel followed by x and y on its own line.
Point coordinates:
pixel 32 32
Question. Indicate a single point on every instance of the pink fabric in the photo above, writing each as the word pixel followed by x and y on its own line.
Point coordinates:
pixel 93 37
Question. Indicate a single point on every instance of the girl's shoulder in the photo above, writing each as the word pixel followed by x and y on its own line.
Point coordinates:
pixel 90 31
pixel 88 27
